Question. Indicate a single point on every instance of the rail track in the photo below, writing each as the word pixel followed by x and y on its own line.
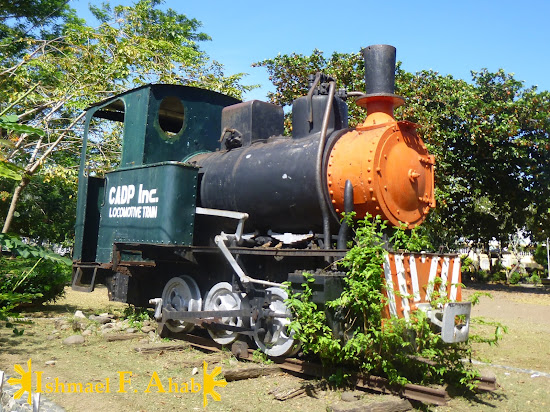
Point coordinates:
pixel 424 394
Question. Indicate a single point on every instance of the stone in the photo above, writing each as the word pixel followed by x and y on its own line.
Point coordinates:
pixel 131 330
pixel 147 329
pixel 59 323
pixel 78 326
pixel 87 332
pixel 107 326
pixel 50 362
pixel 100 319
pixel 79 315
pixel 349 396
pixel 74 340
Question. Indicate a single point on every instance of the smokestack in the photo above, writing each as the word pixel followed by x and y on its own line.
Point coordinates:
pixel 379 69
pixel 380 73
pixel 380 98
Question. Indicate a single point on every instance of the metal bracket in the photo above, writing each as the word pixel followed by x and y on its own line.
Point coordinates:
pixel 452 331
pixel 78 286
pixel 158 308
pixel 243 277
pixel 229 214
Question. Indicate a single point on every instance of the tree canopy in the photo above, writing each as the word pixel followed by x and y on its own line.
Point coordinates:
pixel 490 137
pixel 48 83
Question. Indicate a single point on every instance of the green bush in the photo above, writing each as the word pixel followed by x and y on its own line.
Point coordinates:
pixel 481 276
pixel 515 278
pixel 535 279
pixel 43 279
pixel 500 276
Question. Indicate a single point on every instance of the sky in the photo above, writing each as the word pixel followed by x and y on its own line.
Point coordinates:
pixel 450 37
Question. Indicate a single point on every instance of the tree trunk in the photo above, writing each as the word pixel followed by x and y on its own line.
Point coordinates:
pixel 15 198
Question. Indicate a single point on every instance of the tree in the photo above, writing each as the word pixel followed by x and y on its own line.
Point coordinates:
pixel 489 136
pixel 24 19
pixel 60 76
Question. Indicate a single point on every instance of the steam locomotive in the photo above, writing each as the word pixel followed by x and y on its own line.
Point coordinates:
pixel 211 207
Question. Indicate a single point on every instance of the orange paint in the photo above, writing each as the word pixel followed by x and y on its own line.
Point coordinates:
pixel 388 165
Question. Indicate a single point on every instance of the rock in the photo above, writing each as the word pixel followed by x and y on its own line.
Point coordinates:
pixel 50 362
pixel 107 315
pixel 144 341
pixel 195 371
pixel 131 330
pixel 349 396
pixel 65 327
pixel 78 326
pixel 74 340
pixel 87 332
pixel 79 315
pixel 147 329
pixel 100 319
pixel 60 322
pixel 107 328
pixel 152 335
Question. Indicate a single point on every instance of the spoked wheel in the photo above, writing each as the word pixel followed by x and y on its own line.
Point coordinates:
pixel 222 297
pixel 181 293
pixel 271 333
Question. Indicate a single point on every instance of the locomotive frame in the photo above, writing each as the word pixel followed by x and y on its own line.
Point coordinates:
pixel 209 210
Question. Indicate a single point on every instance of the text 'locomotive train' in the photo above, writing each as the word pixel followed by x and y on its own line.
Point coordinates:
pixel 211 208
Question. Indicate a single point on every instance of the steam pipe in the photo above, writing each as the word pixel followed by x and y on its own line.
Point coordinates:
pixel 319 168
pixel 343 234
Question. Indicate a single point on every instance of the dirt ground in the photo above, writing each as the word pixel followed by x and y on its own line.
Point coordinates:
pixel 523 351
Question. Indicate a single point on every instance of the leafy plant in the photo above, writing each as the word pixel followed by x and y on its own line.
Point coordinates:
pixel 32 275
pixel 17 247
pixel 412 240
pixel 402 351
pixel 136 316
pixel 261 357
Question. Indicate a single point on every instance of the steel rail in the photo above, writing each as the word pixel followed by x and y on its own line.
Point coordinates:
pixel 424 394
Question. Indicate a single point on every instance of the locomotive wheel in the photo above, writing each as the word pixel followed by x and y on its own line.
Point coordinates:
pixel 181 293
pixel 222 297
pixel 271 334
